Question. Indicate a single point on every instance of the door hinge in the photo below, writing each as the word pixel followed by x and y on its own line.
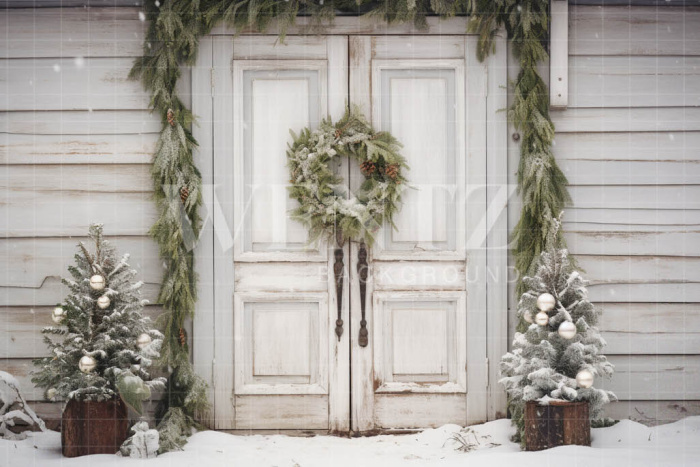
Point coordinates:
pixel 213 80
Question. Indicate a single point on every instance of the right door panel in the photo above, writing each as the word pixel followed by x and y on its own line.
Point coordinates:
pixel 425 363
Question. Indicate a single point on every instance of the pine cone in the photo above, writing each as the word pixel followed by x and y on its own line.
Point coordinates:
pixel 171 117
pixel 337 134
pixel 183 337
pixel 392 171
pixel 184 194
pixel 368 167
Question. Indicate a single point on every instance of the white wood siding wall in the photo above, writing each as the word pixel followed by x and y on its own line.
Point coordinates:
pixel 629 144
pixel 76 141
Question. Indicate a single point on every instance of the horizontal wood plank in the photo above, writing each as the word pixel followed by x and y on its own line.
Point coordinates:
pixel 625 172
pixel 71 32
pixel 281 412
pixel 654 377
pixel 650 328
pixel 419 410
pixel 77 149
pixel 66 213
pixel 636 197
pixel 597 81
pixel 640 269
pixel 79 122
pixel 631 242
pixel 627 119
pixel 677 292
pixel 652 412
pixel 635 30
pixel 20 331
pixel 29 262
pixel 628 146
pixel 270 48
pixel 631 219
pixel 68 84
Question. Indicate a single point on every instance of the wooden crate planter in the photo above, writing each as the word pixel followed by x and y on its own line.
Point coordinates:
pixel 93 427
pixel 556 424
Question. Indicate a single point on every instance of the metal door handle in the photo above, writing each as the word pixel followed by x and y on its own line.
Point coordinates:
pixel 338 272
pixel 362 270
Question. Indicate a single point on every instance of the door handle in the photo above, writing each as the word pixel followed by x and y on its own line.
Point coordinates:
pixel 338 272
pixel 362 271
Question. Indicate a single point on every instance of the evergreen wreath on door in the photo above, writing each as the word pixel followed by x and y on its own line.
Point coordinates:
pixel 325 207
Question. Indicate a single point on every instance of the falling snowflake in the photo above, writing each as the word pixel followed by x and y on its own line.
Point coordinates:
pixel 57 67
pixel 142 16
pixel 79 62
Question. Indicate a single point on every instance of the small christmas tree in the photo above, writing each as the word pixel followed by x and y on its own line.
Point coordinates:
pixel 559 355
pixel 102 345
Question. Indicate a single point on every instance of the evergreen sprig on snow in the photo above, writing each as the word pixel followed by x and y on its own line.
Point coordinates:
pixel 543 364
pixel 108 335
pixel 324 205
pixel 541 182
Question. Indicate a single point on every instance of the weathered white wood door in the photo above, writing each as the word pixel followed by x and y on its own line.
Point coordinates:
pixel 279 363
pixel 425 361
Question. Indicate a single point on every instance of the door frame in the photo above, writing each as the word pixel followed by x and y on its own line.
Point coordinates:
pixel 211 332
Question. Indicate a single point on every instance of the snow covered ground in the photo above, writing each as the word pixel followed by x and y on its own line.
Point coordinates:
pixel 625 444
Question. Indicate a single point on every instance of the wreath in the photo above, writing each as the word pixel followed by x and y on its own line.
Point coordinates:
pixel 326 206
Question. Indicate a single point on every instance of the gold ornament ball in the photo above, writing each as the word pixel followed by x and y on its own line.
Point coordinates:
pixel 527 316
pixel 58 315
pixel 97 282
pixel 542 318
pixel 143 341
pixel 567 330
pixel 87 364
pixel 584 379
pixel 546 302
pixel 103 302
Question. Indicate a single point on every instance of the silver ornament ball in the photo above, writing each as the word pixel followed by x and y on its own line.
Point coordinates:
pixel 527 316
pixel 546 302
pixel 51 393
pixel 87 364
pixel 97 282
pixel 103 302
pixel 143 341
pixel 567 330
pixel 584 379
pixel 542 318
pixel 58 315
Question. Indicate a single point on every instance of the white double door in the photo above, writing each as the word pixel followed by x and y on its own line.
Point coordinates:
pixel 289 343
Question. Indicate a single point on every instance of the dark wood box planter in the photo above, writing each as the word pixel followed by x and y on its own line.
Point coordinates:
pixel 556 424
pixel 93 427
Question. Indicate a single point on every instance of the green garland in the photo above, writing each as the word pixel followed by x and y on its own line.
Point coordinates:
pixel 324 207
pixel 541 183
pixel 172 40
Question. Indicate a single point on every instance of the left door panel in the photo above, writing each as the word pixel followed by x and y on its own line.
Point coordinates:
pixel 278 362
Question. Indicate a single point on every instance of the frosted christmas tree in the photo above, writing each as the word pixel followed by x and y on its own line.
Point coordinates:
pixel 102 346
pixel 559 356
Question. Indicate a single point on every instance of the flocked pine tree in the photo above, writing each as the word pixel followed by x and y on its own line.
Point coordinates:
pixel 102 346
pixel 559 355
